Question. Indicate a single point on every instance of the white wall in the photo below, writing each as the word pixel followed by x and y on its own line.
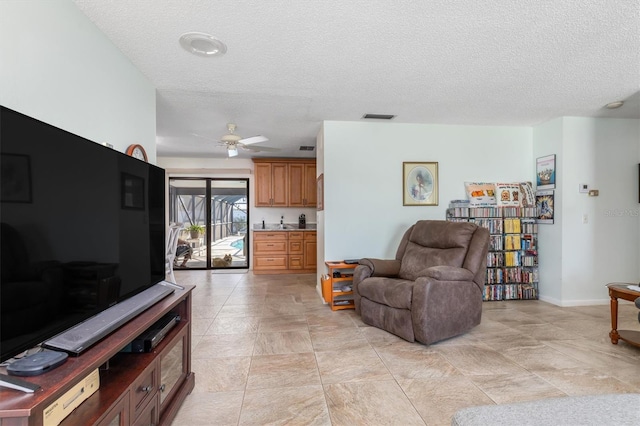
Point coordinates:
pixel 547 140
pixel 364 215
pixel 578 259
pixel 604 154
pixel 56 66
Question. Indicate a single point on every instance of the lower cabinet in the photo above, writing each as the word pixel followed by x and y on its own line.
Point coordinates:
pixel 153 392
pixel 310 251
pixel 292 252
pixel 172 368
pixel 118 415
pixel 148 416
pixel 157 384
pixel 270 251
pixel 296 250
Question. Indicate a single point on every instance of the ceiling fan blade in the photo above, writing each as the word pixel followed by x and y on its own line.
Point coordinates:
pixel 253 139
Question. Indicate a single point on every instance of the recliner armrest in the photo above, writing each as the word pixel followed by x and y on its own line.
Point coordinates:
pixel 637 302
pixel 382 267
pixel 449 273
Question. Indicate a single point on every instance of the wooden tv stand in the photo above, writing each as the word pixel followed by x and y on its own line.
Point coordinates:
pixel 135 388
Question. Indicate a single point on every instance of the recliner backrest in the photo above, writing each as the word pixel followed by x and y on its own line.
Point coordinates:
pixel 435 243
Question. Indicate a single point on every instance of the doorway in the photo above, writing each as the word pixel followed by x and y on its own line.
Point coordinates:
pixel 214 216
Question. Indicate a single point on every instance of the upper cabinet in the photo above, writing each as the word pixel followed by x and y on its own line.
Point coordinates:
pixel 271 186
pixel 285 182
pixel 302 185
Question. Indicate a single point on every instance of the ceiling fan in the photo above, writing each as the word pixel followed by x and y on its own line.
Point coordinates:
pixel 232 141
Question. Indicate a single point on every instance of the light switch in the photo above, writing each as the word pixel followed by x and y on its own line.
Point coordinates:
pixel 585 218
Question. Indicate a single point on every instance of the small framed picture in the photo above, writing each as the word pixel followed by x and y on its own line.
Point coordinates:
pixel 420 184
pixel 544 203
pixel 546 172
pixel 320 194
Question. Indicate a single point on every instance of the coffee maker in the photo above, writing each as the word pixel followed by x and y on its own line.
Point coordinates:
pixel 302 222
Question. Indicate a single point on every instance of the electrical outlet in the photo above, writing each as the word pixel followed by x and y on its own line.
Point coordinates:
pixel 583 188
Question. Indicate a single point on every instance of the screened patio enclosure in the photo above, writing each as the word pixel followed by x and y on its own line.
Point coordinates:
pixel 219 207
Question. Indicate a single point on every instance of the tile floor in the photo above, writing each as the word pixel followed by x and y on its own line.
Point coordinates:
pixel 267 351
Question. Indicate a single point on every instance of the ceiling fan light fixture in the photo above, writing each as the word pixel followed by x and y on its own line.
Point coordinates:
pixel 232 150
pixel 202 44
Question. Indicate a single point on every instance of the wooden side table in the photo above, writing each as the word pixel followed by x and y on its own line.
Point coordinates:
pixel 337 290
pixel 622 291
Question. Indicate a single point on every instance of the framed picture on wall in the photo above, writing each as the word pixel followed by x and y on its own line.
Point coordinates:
pixel 321 192
pixel 420 184
pixel 545 205
pixel 546 172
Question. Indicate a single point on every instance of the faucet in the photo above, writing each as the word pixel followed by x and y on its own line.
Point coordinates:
pixel 282 222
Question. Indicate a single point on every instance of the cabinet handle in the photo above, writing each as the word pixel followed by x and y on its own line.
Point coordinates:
pixel 269 245
pixel 146 389
pixel 162 388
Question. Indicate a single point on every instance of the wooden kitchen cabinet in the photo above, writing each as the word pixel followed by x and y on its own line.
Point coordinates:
pixel 271 186
pixel 284 252
pixel 270 251
pixel 302 185
pixel 296 250
pixel 285 182
pixel 310 250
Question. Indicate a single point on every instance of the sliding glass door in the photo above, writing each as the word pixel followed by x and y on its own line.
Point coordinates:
pixel 214 216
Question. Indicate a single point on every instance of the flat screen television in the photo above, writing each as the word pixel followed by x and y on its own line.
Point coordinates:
pixel 83 228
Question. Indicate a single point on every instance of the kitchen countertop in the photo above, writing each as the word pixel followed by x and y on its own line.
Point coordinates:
pixel 287 227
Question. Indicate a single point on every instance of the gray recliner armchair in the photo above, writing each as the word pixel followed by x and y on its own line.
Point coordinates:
pixel 432 290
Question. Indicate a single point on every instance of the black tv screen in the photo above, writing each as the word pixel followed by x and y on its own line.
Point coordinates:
pixel 83 227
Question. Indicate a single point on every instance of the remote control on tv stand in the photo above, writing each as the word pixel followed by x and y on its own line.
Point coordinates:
pixel 18 384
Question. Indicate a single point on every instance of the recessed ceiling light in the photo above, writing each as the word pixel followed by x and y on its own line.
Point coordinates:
pixel 202 44
pixel 614 105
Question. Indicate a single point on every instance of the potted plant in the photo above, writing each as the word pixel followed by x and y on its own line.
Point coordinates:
pixel 195 230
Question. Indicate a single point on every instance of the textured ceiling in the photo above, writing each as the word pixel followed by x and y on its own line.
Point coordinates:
pixel 292 64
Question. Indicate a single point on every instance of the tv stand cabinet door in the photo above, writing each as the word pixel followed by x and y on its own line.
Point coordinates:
pixel 148 415
pixel 173 365
pixel 143 390
pixel 118 415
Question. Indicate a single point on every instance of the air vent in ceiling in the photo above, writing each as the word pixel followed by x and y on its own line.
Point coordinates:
pixel 307 148
pixel 379 116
